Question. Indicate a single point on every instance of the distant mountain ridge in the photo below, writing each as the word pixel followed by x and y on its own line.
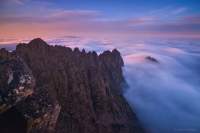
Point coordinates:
pixel 74 91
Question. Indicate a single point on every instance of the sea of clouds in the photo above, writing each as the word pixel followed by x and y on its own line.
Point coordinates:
pixel 165 95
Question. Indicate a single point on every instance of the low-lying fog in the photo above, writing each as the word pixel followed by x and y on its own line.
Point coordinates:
pixel 163 79
pixel 165 94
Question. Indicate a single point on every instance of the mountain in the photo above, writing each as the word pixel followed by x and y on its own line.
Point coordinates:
pixel 72 91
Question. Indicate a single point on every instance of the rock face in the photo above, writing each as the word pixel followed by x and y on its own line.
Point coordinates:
pixel 22 107
pixel 75 91
pixel 151 59
pixel 16 80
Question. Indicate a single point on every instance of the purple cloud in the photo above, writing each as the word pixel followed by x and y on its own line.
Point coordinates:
pixel 195 19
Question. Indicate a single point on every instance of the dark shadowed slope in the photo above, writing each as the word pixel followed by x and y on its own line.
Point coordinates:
pixel 84 89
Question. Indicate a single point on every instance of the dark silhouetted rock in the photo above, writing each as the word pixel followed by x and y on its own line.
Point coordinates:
pixel 152 59
pixel 22 107
pixel 16 80
pixel 83 90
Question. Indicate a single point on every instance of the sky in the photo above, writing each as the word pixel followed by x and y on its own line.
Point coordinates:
pixel 100 18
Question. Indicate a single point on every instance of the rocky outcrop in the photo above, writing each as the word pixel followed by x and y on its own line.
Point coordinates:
pixel 151 59
pixel 75 91
pixel 16 80
pixel 22 107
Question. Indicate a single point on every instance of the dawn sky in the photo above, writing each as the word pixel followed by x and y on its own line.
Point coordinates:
pixel 102 18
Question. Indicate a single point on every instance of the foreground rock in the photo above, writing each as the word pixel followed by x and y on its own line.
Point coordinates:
pixel 16 80
pixel 22 107
pixel 75 91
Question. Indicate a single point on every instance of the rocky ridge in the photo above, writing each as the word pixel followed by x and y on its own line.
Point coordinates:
pixel 73 91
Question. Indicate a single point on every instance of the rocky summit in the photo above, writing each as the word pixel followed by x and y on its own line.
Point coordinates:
pixel 54 89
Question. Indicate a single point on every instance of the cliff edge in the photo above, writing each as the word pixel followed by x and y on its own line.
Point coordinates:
pixel 73 91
